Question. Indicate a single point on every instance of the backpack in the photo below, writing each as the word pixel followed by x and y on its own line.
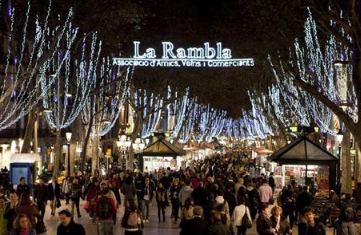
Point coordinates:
pixel 103 208
pixel 133 220
pixel 350 214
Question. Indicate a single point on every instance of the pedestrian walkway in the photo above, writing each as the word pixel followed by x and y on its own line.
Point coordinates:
pixel 152 228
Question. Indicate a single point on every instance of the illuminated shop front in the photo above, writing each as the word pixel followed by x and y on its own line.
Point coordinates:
pixel 161 154
pixel 306 163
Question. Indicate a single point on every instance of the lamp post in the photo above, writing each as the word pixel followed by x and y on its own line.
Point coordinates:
pixel 68 137
pixel 339 138
pixel 124 144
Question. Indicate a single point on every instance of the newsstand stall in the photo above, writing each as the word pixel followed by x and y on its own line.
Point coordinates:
pixel 308 164
pixel 160 154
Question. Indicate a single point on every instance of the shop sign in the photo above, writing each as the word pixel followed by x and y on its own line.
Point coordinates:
pixel 206 56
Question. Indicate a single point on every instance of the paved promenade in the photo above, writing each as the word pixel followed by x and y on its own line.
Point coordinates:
pixel 153 228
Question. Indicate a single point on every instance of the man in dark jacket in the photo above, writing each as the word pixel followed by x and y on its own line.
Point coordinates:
pixel 10 213
pixel 199 196
pixel 288 202
pixel 165 181
pixel 53 194
pixel 303 200
pixel 68 226
pixel 22 187
pixel 308 225
pixel 139 185
pixel 229 196
pixel 271 182
pixel 41 196
pixel 195 226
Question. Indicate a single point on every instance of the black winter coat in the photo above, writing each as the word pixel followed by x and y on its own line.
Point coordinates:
pixel 53 193
pixel 196 226
pixel 305 229
pixel 41 193
pixel 264 225
pixel 218 228
pixel 71 229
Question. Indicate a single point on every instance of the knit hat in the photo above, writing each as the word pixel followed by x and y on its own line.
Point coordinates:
pixel 198 210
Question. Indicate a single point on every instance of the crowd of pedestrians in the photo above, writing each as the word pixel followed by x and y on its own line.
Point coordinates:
pixel 214 196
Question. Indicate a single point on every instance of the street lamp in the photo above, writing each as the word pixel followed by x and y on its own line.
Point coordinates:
pixel 68 137
pixel 123 145
pixel 339 136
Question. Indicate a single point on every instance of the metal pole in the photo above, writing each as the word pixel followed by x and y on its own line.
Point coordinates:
pixel 68 170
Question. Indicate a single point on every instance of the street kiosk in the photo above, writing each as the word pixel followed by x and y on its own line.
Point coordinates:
pixel 306 162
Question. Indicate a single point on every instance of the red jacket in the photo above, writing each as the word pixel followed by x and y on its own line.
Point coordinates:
pixel 113 208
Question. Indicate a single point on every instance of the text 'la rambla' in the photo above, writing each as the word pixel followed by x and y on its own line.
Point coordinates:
pixel 169 52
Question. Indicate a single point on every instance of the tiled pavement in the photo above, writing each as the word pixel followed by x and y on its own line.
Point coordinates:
pixel 153 228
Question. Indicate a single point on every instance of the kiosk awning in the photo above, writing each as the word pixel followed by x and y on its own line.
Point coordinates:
pixel 24 158
pixel 303 151
pixel 162 147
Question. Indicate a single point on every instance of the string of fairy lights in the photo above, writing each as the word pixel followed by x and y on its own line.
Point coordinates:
pixel 67 92
pixel 58 97
pixel 24 74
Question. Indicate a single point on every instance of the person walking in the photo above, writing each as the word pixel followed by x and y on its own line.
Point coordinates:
pixel 65 189
pixel 128 189
pixel 162 201
pixel 22 187
pixel 3 220
pixel 237 217
pixel 187 210
pixel 174 198
pixel 22 226
pixel 67 225
pixel 347 216
pixel 146 194
pixel 75 194
pixel 54 195
pixel 185 192
pixel 265 193
pixel 200 196
pixel 105 211
pixel 303 200
pixel 253 199
pixel 217 227
pixel 41 197
pixel 288 202
pixel 91 193
pixel 264 224
pixel 10 213
pixel 27 207
pixel 195 226
pixel 132 221
pixel 271 182
pixel 279 222
pixel 139 184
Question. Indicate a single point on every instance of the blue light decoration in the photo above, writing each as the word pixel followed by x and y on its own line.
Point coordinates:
pixel 108 98
pixel 150 106
pixel 82 77
pixel 316 65
pixel 29 59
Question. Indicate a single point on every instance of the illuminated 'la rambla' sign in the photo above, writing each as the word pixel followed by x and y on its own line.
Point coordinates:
pixel 206 56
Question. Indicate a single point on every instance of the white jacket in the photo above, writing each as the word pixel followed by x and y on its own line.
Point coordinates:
pixel 238 214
